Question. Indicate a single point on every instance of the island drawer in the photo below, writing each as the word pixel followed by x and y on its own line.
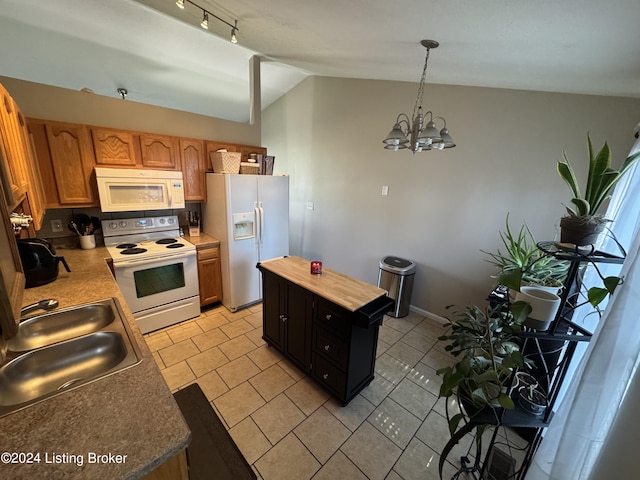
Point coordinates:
pixel 330 315
pixel 328 375
pixel 330 346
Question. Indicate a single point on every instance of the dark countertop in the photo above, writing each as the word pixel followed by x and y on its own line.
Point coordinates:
pixel 130 413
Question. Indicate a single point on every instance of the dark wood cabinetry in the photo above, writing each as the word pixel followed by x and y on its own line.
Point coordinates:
pixel 333 344
pixel 287 312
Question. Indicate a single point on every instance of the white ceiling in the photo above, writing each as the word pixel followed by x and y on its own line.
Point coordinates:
pixel 162 57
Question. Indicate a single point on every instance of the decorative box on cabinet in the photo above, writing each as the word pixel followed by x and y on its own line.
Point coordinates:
pixel 335 345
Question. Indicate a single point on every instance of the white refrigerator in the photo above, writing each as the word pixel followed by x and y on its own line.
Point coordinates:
pixel 249 214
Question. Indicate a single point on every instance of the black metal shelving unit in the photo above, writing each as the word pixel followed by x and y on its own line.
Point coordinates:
pixel 552 351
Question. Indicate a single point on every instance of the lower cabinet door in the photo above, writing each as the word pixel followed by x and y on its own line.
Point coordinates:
pixel 299 314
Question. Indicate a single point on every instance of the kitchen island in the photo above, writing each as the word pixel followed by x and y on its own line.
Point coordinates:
pixel 326 323
pixel 122 426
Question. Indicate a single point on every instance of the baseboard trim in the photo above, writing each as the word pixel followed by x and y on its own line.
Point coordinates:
pixel 429 315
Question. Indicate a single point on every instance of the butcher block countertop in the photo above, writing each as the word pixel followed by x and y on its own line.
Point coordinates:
pixel 336 287
pixel 130 413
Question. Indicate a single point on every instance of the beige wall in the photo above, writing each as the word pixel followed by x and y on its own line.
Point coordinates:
pixel 443 206
pixel 54 103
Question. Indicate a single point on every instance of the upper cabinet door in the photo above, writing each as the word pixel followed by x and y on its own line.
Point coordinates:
pixel 159 151
pixel 73 161
pixel 35 190
pixel 13 152
pixel 114 148
pixel 193 168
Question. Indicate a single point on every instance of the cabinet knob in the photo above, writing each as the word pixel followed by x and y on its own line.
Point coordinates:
pixel 327 347
pixel 325 376
pixel 328 316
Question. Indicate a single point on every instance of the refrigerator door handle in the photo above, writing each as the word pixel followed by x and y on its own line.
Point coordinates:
pixel 261 223
pixel 257 229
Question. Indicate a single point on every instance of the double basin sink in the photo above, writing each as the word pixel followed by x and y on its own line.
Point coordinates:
pixel 57 351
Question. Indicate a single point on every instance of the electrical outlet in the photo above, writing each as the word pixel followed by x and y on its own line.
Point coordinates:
pixel 385 190
pixel 56 226
pixel 310 206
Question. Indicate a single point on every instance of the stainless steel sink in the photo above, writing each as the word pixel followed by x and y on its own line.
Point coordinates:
pixel 54 327
pixel 41 373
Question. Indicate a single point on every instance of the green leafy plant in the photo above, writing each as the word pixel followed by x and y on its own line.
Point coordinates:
pixel 485 343
pixel 522 262
pixel 600 182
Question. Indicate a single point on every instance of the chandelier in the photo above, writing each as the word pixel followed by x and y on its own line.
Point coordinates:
pixel 418 136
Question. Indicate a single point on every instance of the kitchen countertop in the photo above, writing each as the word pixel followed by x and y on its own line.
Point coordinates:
pixel 203 240
pixel 131 412
pixel 339 288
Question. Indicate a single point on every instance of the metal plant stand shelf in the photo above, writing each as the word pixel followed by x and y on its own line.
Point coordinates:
pixel 552 351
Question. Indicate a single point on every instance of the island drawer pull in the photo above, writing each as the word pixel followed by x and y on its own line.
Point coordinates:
pixel 327 347
pixel 325 376
pixel 328 316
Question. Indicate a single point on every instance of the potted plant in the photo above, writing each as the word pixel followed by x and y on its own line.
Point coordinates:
pixel 584 223
pixel 532 399
pixel 485 343
pixel 522 263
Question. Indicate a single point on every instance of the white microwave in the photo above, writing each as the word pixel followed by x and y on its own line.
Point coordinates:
pixel 122 189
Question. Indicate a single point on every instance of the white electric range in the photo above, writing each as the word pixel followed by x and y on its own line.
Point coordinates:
pixel 155 268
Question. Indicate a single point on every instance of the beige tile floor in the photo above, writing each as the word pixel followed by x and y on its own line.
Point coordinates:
pixel 289 428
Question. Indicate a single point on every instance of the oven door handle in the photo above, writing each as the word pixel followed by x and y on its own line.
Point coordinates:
pixel 173 256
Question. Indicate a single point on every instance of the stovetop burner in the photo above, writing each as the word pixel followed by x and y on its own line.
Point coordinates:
pixel 175 245
pixel 133 250
pixel 164 241
pixel 126 245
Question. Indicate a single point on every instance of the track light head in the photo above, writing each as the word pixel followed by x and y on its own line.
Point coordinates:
pixel 205 20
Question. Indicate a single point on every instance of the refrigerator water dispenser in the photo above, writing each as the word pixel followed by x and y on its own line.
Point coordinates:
pixel 243 225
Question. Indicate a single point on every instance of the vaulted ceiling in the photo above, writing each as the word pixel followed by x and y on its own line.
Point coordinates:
pixel 160 54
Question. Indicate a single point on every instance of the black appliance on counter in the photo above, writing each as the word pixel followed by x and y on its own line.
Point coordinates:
pixel 39 261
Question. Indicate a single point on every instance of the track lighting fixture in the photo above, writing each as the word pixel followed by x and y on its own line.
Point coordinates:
pixel 205 19
pixel 234 39
pixel 412 133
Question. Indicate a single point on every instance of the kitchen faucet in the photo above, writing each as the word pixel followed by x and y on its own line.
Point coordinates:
pixel 47 304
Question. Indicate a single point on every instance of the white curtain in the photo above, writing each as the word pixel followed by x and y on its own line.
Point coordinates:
pixel 595 411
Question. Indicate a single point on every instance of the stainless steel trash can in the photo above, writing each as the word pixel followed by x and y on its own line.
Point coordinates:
pixel 396 277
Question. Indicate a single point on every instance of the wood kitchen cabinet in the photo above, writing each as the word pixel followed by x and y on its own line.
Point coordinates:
pixel 328 324
pixel 13 152
pixel 22 181
pixel 66 160
pixel 193 165
pixel 159 151
pixel 115 148
pixel 176 468
pixel 209 274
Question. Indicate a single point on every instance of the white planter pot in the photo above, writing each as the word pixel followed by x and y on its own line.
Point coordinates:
pixel 544 306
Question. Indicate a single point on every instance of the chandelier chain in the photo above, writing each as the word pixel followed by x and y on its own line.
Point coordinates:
pixel 421 87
